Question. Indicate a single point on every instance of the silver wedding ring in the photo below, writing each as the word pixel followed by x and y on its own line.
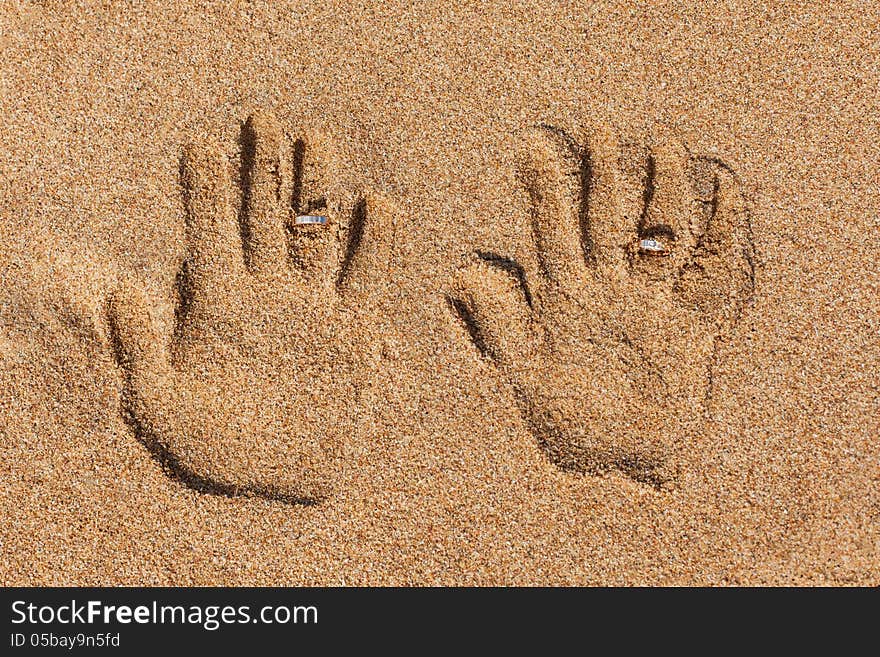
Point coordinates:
pixel 306 219
pixel 653 247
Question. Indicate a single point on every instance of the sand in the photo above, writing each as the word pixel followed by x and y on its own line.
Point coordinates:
pixel 472 374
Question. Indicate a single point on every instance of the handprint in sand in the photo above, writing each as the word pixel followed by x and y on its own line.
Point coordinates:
pixel 256 388
pixel 643 261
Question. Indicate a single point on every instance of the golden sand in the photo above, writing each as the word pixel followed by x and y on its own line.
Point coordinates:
pixel 595 301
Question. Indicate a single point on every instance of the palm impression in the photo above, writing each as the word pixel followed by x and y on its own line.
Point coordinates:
pixel 643 260
pixel 257 386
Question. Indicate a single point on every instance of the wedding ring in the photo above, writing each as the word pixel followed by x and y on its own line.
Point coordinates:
pixel 652 247
pixel 305 219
